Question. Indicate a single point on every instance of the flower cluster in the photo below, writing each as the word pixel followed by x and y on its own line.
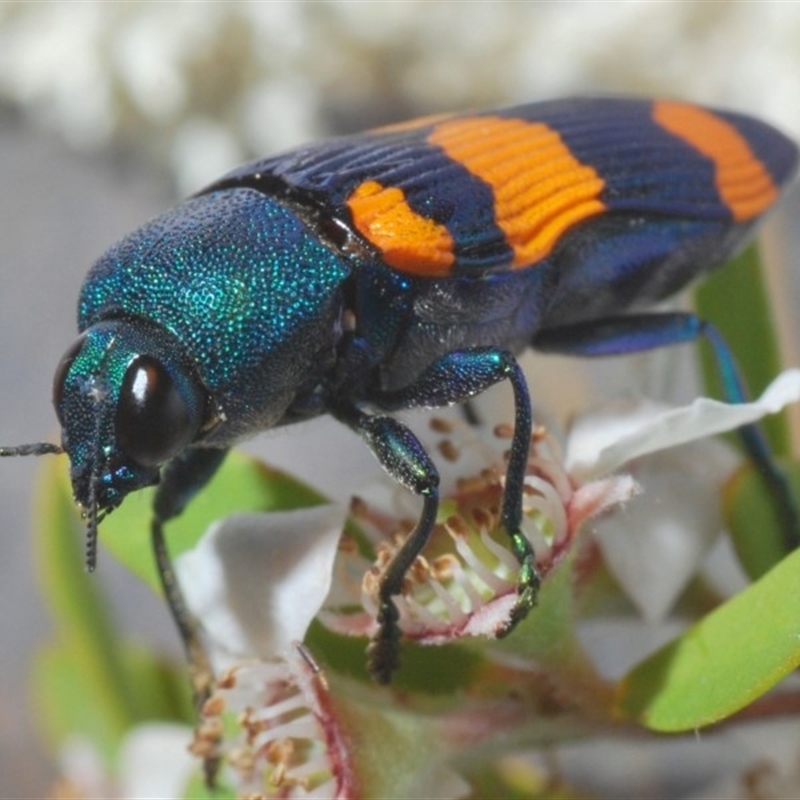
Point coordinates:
pixel 203 85
pixel 293 724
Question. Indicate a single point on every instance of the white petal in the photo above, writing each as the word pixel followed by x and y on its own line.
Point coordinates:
pixel 83 768
pixel 155 762
pixel 658 541
pixel 256 581
pixel 601 443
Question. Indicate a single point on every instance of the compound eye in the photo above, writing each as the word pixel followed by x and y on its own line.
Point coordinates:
pixel 154 419
pixel 60 378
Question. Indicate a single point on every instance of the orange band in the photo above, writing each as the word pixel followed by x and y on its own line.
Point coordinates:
pixel 408 242
pixel 540 188
pixel 743 182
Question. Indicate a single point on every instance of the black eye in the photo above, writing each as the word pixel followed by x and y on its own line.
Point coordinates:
pixel 155 420
pixel 62 370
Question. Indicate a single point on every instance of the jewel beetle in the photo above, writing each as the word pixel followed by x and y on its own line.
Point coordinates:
pixel 402 267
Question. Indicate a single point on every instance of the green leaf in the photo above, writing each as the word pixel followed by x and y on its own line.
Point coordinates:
pixel 198 790
pixel 548 637
pixel 69 704
pixel 735 299
pixel 723 663
pixel 751 516
pixel 516 778
pixel 395 753
pixel 242 484
pixel 85 628
pixel 440 669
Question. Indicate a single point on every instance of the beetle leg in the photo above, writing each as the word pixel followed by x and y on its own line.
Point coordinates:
pixel 454 378
pixel 638 332
pixel 402 455
pixel 181 480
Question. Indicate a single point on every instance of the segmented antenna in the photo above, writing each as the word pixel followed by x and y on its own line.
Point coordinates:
pixel 94 518
pixel 91 527
pixel 35 449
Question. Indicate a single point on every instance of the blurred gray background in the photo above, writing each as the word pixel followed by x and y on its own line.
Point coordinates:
pixel 109 112
pixel 56 209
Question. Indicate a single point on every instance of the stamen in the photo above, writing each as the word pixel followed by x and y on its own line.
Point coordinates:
pixel 488 577
pixel 441 425
pixel 287 736
pixel 452 608
pixel 548 503
pixel 501 553
pixel 448 450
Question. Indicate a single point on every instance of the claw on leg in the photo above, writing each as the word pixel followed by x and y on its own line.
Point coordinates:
pixel 527 586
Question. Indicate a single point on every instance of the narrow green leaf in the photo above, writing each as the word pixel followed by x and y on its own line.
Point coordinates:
pixel 67 705
pixel 84 626
pixel 724 662
pixel 735 299
pixel 160 687
pixel 242 484
pixel 751 516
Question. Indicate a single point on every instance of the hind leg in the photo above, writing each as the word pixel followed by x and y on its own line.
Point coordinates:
pixel 640 332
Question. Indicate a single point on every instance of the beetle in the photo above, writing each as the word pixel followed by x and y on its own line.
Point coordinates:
pixel 402 267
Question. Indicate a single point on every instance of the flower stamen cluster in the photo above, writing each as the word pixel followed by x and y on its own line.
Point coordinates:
pixel 281 737
pixel 465 583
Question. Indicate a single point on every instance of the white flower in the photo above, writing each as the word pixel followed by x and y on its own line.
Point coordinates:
pixel 655 546
pixel 153 763
pixel 633 448
pixel 256 581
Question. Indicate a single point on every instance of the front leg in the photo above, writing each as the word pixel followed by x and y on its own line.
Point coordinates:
pixel 400 453
pixel 453 378
pixel 181 480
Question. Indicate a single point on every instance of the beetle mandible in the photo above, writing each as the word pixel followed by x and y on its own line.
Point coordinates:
pixel 403 267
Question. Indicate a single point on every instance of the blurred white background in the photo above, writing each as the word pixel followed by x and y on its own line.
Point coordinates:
pixel 111 111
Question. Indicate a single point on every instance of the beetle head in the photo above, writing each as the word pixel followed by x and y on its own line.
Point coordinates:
pixel 127 404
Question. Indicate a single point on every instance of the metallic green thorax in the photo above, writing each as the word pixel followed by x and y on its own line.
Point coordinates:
pixel 245 287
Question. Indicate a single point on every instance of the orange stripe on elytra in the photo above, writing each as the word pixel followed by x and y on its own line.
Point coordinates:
pixel 540 189
pixel 407 241
pixel 411 124
pixel 743 182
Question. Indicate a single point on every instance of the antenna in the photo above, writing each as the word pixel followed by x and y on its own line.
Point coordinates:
pixel 91 527
pixel 46 448
pixel 35 449
pixel 91 514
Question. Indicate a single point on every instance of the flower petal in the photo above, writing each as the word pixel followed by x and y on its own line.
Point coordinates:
pixel 655 545
pixel 155 762
pixel 282 736
pixel 257 580
pixel 601 443
pixel 82 769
